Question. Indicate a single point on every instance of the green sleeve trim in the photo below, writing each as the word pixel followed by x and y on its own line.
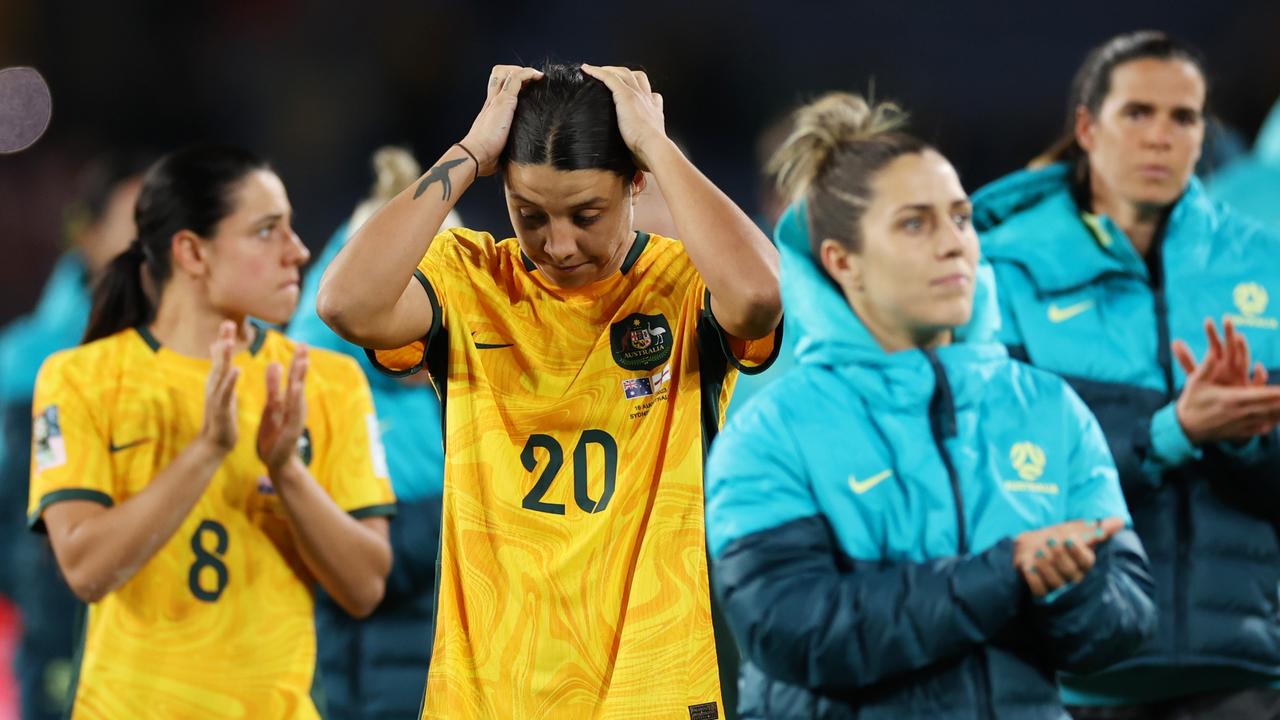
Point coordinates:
pixel 373 360
pixel 35 521
pixel 436 310
pixel 734 360
pixel 637 247
pixel 145 333
pixel 388 510
pixel 430 338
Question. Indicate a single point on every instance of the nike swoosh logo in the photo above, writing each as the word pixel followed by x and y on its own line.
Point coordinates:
pixel 1063 314
pixel 118 448
pixel 865 485
pixel 492 346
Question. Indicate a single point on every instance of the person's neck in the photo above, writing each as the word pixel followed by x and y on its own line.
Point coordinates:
pixel 1139 222
pixel 896 339
pixel 186 324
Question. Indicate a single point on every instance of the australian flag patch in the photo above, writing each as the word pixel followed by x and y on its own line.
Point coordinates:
pixel 637 387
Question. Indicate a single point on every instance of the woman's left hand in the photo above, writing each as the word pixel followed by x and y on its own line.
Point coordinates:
pixel 640 118
pixel 285 414
pixel 1053 557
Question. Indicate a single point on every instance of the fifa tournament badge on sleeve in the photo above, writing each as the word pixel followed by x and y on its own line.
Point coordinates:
pixel 50 448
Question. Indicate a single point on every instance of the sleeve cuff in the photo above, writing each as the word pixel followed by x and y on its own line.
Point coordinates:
pixel 1054 595
pixel 1242 451
pixel 35 519
pixel 1170 445
pixel 1075 593
pixel 743 363
pixel 387 510
pixel 417 350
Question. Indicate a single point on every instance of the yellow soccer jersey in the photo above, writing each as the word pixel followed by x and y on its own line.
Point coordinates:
pixel 573 580
pixel 219 623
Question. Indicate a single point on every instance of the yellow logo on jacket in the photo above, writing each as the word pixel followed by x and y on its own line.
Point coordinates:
pixel 1059 314
pixel 1029 460
pixel 1251 300
pixel 861 486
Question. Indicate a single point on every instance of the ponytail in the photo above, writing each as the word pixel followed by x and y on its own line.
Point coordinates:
pixel 190 189
pixel 120 300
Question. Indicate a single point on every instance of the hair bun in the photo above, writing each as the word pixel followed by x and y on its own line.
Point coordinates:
pixel 835 121
pixel 394 169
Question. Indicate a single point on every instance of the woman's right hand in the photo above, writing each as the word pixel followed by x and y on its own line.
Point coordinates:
pixel 220 427
pixel 1054 556
pixel 1221 400
pixel 488 134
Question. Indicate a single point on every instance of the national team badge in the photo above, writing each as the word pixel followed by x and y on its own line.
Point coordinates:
pixel 1251 300
pixel 641 342
pixel 1029 460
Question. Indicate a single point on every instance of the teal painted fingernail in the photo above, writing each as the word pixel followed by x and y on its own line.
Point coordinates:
pixel 1039 553
pixel 1069 542
pixel 1051 542
pixel 1098 532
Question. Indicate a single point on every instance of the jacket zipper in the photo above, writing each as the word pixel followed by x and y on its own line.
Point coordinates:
pixel 942 423
pixel 1155 270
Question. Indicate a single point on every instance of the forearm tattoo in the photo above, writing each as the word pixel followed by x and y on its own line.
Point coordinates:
pixel 439 173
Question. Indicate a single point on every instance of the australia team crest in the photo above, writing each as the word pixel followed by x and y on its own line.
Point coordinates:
pixel 641 342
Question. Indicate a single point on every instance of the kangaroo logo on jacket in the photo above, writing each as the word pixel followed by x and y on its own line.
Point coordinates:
pixel 1251 300
pixel 1028 460
pixel 641 342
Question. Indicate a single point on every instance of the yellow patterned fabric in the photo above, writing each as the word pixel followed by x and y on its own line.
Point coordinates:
pixel 218 624
pixel 573 580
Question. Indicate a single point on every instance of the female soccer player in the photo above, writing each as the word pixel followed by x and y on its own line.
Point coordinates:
pixel 909 524
pixel 584 367
pixel 1116 249
pixel 192 508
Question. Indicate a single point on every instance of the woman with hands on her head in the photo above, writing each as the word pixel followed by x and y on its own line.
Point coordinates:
pixel 583 367
pixel 193 491
pixel 967 541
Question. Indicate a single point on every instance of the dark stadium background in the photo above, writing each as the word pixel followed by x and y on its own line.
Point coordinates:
pixel 317 85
